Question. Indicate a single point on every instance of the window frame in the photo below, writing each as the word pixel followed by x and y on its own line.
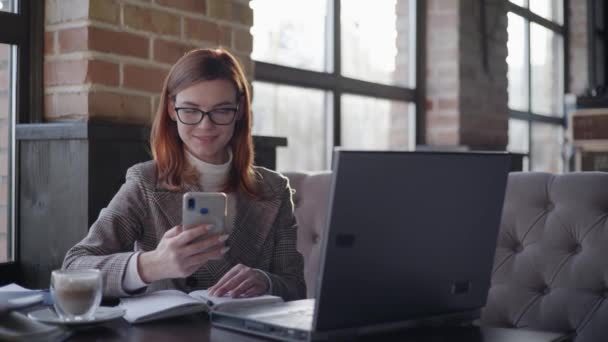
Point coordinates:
pixel 594 32
pixel 337 84
pixel 562 29
pixel 24 30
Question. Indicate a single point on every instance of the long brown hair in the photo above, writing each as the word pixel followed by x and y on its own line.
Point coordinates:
pixel 174 172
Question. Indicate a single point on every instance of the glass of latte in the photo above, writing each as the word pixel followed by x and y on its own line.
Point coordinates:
pixel 76 293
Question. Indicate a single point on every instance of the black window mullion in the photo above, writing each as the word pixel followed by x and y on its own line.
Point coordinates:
pixel 522 115
pixel 535 18
pixel 337 72
pixel 420 72
pixel 566 48
pixel 13 28
pixel 528 58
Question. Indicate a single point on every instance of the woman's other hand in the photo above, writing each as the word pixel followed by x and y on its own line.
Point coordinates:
pixel 180 252
pixel 241 281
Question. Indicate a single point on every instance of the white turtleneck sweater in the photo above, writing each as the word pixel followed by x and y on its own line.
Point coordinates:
pixel 212 178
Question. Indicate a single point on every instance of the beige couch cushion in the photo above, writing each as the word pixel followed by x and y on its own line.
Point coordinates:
pixel 311 201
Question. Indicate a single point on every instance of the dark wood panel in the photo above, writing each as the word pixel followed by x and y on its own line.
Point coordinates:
pixel 109 161
pixel 52 205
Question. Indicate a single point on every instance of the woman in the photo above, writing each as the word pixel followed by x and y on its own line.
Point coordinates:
pixel 201 141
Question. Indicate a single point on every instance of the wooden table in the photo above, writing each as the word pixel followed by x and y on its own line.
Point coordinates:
pixel 197 328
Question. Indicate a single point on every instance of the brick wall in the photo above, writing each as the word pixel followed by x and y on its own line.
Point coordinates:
pixel 106 59
pixel 466 99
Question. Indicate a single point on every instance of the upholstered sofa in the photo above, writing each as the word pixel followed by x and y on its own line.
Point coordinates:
pixel 551 264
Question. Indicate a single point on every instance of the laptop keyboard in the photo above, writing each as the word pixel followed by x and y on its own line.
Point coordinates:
pixel 300 319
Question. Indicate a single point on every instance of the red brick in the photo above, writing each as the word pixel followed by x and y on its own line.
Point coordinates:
pixel 242 14
pixel 447 103
pixel 117 107
pixel 4 51
pixel 4 105
pixel 97 39
pixel 104 10
pixel 73 39
pixel 151 20
pixel 80 72
pixel 225 38
pixel 64 72
pixel 58 11
pixel 193 6
pixel 49 43
pixel 220 9
pixel 3 194
pixel 102 72
pixel 3 79
pixel 143 78
pixel 3 223
pixel 121 43
pixel 66 106
pixel 169 51
pixel 3 248
pixel 4 138
pixel 243 41
pixel 201 29
pixel 3 168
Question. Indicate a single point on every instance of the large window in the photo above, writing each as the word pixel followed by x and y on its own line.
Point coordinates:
pixel 536 52
pixel 334 73
pixel 17 104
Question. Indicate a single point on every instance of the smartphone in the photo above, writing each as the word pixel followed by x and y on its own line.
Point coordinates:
pixel 204 207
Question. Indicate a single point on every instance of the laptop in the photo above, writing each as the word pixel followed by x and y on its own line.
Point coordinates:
pixel 410 241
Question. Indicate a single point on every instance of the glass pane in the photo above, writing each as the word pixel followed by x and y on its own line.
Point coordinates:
pixel 518 136
pixel 369 123
pixel 292 33
pixel 388 28
pixel 6 92
pixel 522 3
pixel 550 9
pixel 517 63
pixel 547 143
pixel 302 116
pixel 8 6
pixel 546 56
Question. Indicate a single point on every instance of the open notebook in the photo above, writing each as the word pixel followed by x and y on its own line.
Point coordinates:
pixel 169 303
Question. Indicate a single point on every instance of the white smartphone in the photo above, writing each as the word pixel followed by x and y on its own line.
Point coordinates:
pixel 204 207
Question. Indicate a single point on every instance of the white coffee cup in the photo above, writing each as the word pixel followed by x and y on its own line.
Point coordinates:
pixel 76 293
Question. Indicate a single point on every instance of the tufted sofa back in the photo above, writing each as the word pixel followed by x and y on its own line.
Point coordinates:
pixel 551 263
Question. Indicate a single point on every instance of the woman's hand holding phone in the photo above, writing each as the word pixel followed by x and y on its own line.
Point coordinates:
pixel 180 252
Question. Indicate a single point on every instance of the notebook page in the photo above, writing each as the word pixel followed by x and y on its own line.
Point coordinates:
pixel 219 302
pixel 168 302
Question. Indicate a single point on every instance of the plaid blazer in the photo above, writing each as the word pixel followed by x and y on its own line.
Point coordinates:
pixel 263 236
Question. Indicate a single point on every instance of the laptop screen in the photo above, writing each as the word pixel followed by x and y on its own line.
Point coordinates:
pixel 410 235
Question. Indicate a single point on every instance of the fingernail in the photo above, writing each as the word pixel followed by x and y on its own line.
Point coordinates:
pixel 209 228
pixel 224 250
pixel 223 238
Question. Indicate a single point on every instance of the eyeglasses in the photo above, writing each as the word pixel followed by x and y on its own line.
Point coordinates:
pixel 219 116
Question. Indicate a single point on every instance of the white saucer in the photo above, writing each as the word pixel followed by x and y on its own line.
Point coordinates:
pixel 103 314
